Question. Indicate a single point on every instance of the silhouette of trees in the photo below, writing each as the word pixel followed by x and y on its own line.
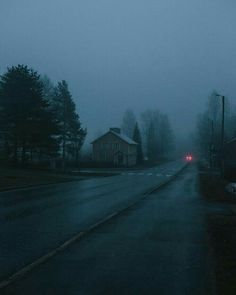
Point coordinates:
pixel 208 133
pixel 158 134
pixel 72 134
pixel 128 123
pixel 137 138
pixel 166 143
pixel 36 117
pixel 27 124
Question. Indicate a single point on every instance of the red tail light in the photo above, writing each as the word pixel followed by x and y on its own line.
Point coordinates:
pixel 189 158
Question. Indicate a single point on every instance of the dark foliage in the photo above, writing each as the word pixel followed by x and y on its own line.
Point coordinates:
pixel 38 120
pixel 158 135
pixel 27 124
pixel 137 138
pixel 72 134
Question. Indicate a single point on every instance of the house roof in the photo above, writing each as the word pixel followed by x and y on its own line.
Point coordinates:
pixel 122 136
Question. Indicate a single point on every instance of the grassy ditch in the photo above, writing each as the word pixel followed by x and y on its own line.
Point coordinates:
pixel 212 187
pixel 222 237
pixel 221 227
pixel 11 178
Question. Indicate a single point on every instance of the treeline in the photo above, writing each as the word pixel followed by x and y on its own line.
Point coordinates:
pixel 39 121
pixel 209 124
pixel 154 135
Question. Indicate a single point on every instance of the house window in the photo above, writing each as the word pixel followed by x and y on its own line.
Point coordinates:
pixel 105 146
pixel 116 146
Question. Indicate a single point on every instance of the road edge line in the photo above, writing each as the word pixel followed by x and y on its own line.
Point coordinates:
pixel 29 267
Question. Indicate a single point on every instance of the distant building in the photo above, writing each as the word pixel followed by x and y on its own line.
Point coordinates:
pixel 115 148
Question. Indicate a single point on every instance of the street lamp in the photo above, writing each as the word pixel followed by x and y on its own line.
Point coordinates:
pixel 222 132
pixel 211 147
pixel 223 120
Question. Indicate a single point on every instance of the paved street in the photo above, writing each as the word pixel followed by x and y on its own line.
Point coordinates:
pixel 157 247
pixel 37 220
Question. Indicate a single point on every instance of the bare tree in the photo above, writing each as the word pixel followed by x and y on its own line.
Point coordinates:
pixel 128 123
pixel 158 134
pixel 209 124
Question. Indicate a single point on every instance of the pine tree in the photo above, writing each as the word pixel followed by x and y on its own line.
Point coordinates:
pixel 72 134
pixel 28 123
pixel 152 151
pixel 166 137
pixel 137 138
pixel 48 88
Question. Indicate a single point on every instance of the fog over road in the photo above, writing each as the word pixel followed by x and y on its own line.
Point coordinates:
pixel 37 220
pixel 159 246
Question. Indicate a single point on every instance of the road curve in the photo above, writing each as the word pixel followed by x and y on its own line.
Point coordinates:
pixel 159 246
pixel 35 221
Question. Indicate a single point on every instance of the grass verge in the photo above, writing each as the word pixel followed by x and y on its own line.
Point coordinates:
pixel 22 178
pixel 221 227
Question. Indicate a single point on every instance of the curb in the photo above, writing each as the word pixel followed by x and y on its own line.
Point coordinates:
pixel 30 267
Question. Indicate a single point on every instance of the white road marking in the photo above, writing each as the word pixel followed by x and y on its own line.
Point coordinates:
pixel 145 174
pixel 30 267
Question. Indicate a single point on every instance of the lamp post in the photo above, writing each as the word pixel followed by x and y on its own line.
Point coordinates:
pixel 222 132
pixel 211 149
pixel 223 119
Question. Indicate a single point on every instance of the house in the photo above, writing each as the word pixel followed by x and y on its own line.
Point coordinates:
pixel 115 148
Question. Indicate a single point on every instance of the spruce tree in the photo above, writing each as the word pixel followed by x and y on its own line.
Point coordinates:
pixel 28 124
pixel 137 138
pixel 72 134
pixel 152 150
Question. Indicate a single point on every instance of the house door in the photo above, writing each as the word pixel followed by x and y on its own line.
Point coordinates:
pixel 120 159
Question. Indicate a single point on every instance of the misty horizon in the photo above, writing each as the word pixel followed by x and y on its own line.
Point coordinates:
pixel 126 55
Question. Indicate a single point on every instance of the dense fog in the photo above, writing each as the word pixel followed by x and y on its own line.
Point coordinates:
pixel 129 54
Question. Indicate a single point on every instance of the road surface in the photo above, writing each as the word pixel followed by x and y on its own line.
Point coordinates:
pixel 35 221
pixel 159 246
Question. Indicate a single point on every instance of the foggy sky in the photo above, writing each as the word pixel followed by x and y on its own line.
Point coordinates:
pixel 121 54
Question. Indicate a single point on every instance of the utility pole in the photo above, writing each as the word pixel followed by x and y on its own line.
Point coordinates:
pixel 211 146
pixel 223 123
pixel 64 136
pixel 222 133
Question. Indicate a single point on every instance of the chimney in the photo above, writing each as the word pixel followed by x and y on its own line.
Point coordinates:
pixel 116 130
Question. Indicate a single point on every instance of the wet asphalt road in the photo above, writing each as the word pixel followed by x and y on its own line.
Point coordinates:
pixel 157 247
pixel 37 220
